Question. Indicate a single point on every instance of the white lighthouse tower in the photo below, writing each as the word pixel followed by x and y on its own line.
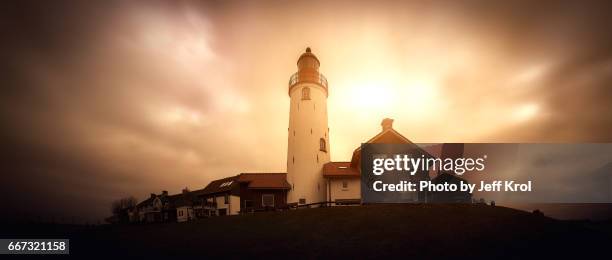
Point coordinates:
pixel 308 147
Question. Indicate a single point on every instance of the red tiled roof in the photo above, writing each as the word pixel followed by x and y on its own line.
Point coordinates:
pixel 265 180
pixel 339 169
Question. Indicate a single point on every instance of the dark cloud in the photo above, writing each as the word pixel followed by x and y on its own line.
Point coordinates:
pixel 104 99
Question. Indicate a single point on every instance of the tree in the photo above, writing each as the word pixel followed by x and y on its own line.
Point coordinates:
pixel 120 206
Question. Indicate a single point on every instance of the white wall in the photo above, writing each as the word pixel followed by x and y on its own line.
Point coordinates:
pixel 235 202
pixel 353 190
pixel 233 206
pixel 307 124
pixel 187 214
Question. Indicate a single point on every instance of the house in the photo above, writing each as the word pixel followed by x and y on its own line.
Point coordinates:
pixel 246 192
pixel 157 208
pixel 263 191
pixel 186 204
pixel 162 207
pixel 344 178
pixel 343 183
pixel 223 195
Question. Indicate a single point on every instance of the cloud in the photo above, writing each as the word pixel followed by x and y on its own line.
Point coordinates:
pixel 107 99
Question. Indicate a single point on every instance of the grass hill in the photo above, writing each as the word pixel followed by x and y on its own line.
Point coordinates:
pixel 374 231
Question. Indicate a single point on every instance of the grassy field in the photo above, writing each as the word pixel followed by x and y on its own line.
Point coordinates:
pixel 374 231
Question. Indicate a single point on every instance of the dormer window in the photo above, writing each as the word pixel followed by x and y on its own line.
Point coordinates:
pixel 227 183
pixel 322 145
pixel 306 93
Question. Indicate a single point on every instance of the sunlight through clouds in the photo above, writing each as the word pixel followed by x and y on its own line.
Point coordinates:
pixel 531 74
pixel 175 90
pixel 182 115
pixel 525 112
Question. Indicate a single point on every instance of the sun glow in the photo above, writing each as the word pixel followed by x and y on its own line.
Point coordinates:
pixel 372 96
pixel 419 94
pixel 386 97
pixel 526 112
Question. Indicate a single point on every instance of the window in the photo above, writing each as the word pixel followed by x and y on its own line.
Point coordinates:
pixel 227 183
pixel 345 184
pixel 267 200
pixel 322 145
pixel 302 201
pixel 306 93
pixel 226 199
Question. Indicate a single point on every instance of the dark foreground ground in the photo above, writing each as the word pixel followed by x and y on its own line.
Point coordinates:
pixel 376 231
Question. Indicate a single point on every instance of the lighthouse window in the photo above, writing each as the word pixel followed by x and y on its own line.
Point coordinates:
pixel 322 145
pixel 306 93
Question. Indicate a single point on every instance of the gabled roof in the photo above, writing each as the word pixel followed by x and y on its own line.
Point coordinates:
pixel 183 199
pixel 221 185
pixel 339 169
pixel 265 180
pixel 391 133
pixel 387 136
pixel 197 192
pixel 162 197
pixel 145 202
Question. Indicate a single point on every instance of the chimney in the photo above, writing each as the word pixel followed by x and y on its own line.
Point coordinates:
pixel 152 195
pixel 164 193
pixel 185 190
pixel 386 124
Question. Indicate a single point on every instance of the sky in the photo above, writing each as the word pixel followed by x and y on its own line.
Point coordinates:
pixel 106 99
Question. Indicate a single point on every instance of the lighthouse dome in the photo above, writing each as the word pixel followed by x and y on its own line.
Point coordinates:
pixel 308 61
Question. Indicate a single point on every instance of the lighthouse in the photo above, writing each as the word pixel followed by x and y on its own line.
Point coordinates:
pixel 308 142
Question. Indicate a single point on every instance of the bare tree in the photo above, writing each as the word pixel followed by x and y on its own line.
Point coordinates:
pixel 120 205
